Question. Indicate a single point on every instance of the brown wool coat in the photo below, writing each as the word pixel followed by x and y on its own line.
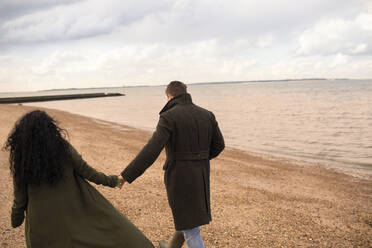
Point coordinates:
pixel 191 137
pixel 73 213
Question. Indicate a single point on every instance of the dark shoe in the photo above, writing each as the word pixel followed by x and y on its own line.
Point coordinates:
pixel 177 241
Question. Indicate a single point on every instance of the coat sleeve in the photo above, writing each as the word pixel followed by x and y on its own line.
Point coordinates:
pixel 19 205
pixel 85 171
pixel 217 143
pixel 149 153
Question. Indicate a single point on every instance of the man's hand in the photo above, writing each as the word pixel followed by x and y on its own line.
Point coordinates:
pixel 121 182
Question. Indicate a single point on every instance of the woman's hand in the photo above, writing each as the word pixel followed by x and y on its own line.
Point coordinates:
pixel 121 182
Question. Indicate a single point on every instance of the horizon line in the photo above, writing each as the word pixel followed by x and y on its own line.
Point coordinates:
pixel 194 83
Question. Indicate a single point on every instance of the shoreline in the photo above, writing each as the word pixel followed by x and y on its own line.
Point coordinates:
pixel 360 170
pixel 356 169
pixel 256 201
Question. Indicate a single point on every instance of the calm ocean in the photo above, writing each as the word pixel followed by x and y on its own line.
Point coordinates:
pixel 327 122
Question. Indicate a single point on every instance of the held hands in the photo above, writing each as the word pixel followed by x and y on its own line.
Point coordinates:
pixel 121 182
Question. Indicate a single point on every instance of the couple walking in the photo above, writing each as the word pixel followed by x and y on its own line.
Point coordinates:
pixel 63 210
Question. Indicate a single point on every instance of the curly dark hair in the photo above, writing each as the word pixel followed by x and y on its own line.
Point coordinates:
pixel 38 149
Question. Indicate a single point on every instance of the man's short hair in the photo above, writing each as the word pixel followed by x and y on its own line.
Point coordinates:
pixel 176 88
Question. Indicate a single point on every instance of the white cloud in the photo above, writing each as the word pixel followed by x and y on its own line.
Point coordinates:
pixel 76 21
pixel 167 20
pixel 51 44
pixel 364 20
pixel 141 63
pixel 10 9
pixel 265 41
pixel 333 36
pixel 61 61
pixel 339 59
pixel 361 48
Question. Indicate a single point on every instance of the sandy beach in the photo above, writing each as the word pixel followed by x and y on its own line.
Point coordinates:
pixel 256 202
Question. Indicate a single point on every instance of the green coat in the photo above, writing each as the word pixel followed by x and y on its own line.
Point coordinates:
pixel 191 137
pixel 73 213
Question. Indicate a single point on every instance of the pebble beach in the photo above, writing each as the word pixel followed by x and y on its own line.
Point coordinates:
pixel 256 202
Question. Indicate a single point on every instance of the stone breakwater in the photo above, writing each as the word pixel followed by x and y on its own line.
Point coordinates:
pixel 47 98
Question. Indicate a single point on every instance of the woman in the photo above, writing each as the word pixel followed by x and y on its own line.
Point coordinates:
pixel 62 209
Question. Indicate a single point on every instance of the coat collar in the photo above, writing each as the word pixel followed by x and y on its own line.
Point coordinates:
pixel 180 99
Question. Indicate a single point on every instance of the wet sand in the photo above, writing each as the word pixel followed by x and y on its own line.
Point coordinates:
pixel 256 202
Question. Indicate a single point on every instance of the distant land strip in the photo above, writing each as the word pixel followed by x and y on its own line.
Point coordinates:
pixel 9 100
pixel 206 83
pixel 246 81
pixel 271 81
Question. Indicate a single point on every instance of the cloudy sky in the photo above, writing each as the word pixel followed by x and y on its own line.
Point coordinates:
pixel 83 43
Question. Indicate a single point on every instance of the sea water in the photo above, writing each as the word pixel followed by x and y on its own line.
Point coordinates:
pixel 322 121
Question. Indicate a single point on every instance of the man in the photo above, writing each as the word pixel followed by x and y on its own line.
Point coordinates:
pixel 191 137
